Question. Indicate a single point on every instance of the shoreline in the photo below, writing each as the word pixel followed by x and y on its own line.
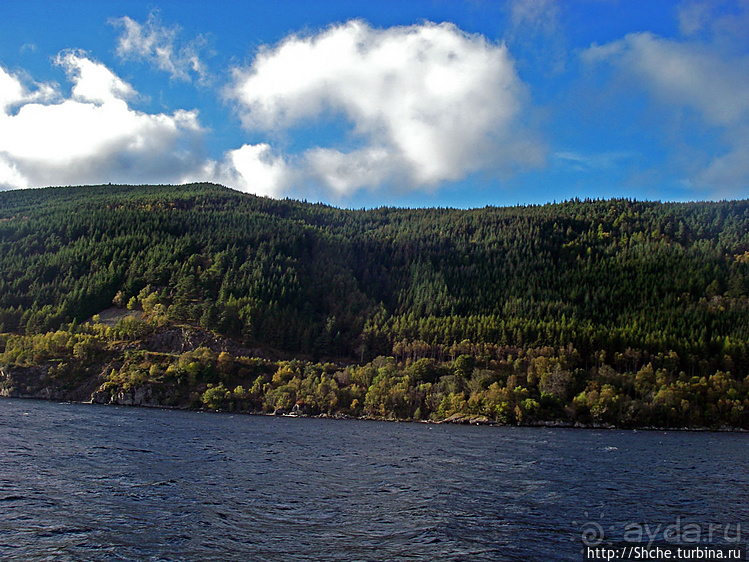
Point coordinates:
pixel 467 420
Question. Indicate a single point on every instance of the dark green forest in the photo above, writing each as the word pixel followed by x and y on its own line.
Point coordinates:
pixel 615 312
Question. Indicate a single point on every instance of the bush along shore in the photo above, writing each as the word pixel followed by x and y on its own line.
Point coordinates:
pixel 144 361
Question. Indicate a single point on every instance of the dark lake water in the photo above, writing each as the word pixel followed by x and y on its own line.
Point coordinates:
pixel 85 482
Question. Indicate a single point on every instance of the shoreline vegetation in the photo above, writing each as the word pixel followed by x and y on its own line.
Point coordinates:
pixel 453 420
pixel 185 367
pixel 611 313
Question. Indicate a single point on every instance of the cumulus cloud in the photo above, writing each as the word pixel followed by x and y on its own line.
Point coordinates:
pixel 691 75
pixel 347 172
pixel 14 91
pixel 91 136
pixel 426 104
pixel 253 168
pixel 158 45
pixel 93 82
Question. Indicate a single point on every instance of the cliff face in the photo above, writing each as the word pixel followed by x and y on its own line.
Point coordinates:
pixel 25 382
pixel 142 396
pixel 44 382
pixel 176 340
pixel 35 383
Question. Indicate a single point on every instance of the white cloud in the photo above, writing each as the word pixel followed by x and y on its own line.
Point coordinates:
pixel 429 103
pixel 10 177
pixel 346 173
pixel 93 136
pixel 696 76
pixel 93 82
pixel 252 168
pixel 13 92
pixel 158 45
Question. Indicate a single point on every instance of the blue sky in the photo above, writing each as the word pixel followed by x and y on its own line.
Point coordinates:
pixel 362 104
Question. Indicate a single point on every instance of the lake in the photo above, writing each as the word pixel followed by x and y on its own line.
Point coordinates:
pixel 88 482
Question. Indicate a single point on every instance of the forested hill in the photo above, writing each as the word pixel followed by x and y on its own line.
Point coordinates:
pixel 615 283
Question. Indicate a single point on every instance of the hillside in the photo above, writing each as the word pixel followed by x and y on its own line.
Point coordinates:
pixel 624 312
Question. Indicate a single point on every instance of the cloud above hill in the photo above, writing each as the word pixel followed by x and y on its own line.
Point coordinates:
pixel 91 135
pixel 418 106
pixel 425 104
pixel 701 88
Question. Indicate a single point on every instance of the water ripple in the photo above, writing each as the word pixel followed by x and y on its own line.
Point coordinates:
pixel 103 483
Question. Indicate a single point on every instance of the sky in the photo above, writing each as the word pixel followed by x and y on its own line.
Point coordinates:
pixel 363 104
